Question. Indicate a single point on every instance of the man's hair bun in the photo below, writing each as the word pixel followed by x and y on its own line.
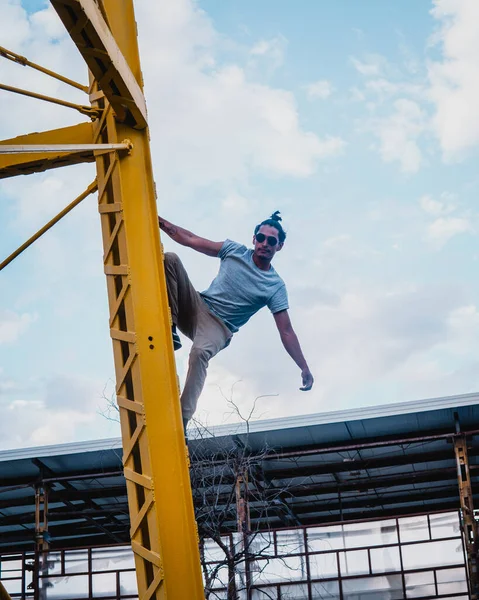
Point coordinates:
pixel 274 221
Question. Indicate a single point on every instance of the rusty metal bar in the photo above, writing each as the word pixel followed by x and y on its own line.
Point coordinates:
pixel 23 164
pixel 22 60
pixel 34 148
pixel 85 476
pixel 41 540
pixel 469 525
pixel 242 504
pixel 90 189
pixel 378 444
pixel 84 110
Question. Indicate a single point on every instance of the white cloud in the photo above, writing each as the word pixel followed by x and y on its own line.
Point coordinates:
pixel 319 90
pixel 214 126
pixel 272 50
pixel 13 325
pixel 444 228
pixel 337 241
pixel 454 80
pixel 437 207
pixel 445 224
pixel 399 134
pixel 236 205
pixel 363 338
pixel 372 66
pixel 216 123
pixel 453 368
pixel 42 38
pixel 385 88
pixel 57 410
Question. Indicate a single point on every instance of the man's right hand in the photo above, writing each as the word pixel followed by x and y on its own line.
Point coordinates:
pixel 308 380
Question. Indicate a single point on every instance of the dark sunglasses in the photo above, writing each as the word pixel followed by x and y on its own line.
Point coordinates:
pixel 261 237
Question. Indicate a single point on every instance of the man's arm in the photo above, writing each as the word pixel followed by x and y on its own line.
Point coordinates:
pixel 189 239
pixel 291 344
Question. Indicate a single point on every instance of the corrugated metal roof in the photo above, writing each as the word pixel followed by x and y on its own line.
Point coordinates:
pixel 374 461
pixel 435 411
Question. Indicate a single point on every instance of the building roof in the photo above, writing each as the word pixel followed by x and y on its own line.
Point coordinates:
pixel 371 462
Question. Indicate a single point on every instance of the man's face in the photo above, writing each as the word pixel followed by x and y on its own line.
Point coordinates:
pixel 265 249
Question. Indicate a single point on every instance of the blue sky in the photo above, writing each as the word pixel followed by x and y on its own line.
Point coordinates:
pixel 356 120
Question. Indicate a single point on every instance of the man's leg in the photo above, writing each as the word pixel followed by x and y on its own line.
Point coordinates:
pixel 212 335
pixel 182 296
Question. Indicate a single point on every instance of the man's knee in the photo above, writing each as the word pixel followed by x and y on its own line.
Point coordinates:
pixel 171 258
pixel 200 355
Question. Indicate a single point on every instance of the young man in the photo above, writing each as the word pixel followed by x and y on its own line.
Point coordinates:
pixel 245 283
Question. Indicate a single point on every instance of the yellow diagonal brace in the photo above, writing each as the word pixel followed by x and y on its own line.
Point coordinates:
pixel 24 164
pixel 84 21
pixel 84 110
pixel 90 189
pixel 4 595
pixel 22 60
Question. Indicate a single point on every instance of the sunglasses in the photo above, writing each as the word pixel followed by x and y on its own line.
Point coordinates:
pixel 261 237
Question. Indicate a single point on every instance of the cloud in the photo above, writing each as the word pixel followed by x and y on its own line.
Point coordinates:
pixel 444 228
pixel 41 37
pixel 372 66
pixel 364 338
pixel 437 207
pixel 454 79
pixel 445 224
pixel 319 90
pixel 384 88
pixel 203 103
pixel 452 367
pixel 399 135
pixel 272 50
pixel 13 325
pixel 56 410
pixel 444 90
pixel 215 124
pixel 219 126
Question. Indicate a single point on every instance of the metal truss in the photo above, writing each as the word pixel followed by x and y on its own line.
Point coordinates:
pixel 163 529
pixel 469 524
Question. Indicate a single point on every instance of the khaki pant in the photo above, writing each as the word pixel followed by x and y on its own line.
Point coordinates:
pixel 192 317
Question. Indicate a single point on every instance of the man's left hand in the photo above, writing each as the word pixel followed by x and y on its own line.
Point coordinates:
pixel 308 380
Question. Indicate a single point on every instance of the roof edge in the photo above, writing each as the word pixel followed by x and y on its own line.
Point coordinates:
pixel 307 420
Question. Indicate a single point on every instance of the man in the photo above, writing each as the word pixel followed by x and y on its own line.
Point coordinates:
pixel 245 283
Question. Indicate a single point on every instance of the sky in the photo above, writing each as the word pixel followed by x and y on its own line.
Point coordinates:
pixel 357 120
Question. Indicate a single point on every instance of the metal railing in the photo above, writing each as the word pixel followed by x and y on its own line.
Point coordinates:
pixel 399 558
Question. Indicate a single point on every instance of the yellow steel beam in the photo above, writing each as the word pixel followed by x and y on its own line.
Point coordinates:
pixel 23 164
pixel 118 79
pixel 4 595
pixel 163 528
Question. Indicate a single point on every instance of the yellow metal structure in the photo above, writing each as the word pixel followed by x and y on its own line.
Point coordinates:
pixel 22 60
pixel 4 595
pixel 163 529
pixel 469 524
pixel 90 189
pixel 21 164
